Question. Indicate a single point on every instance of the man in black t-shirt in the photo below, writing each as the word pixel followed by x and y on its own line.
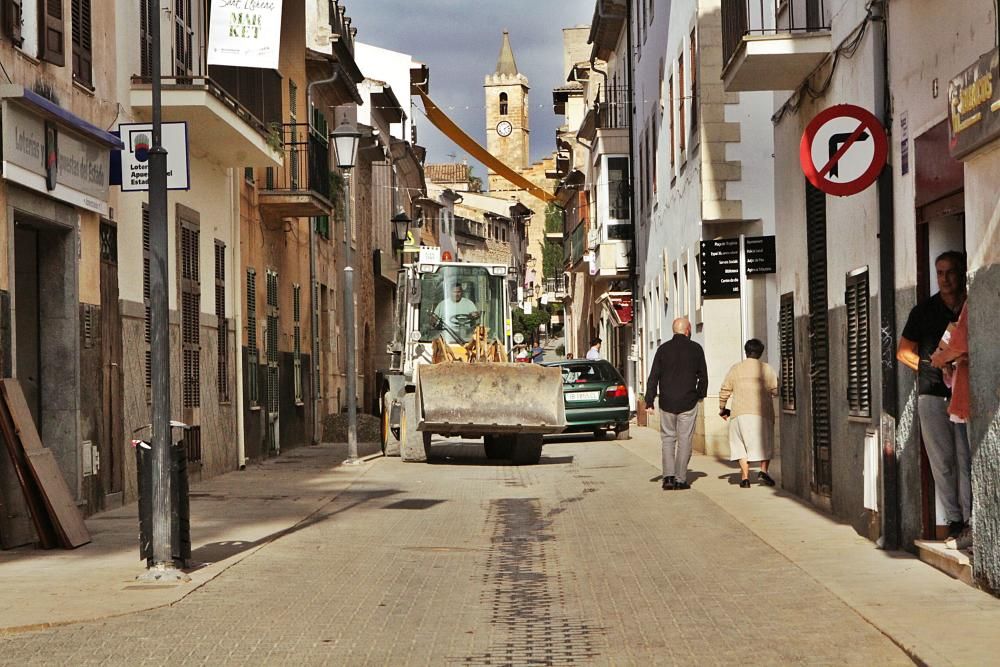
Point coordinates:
pixel 951 462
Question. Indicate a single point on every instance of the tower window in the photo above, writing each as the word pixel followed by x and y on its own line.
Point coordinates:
pixel 503 104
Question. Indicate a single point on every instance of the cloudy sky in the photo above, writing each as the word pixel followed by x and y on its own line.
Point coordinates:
pixel 460 40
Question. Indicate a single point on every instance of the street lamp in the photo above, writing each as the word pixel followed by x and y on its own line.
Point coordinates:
pixel 400 225
pixel 345 142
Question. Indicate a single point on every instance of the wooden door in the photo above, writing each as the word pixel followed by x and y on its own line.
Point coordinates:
pixel 112 445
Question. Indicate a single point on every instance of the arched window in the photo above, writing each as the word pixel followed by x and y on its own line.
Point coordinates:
pixel 503 104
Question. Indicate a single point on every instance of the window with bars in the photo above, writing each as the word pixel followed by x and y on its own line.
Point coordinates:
pixel 190 302
pixel 220 315
pixel 859 391
pixel 184 22
pixel 147 318
pixel 253 352
pixel 271 341
pixel 83 58
pixel 297 340
pixel 786 332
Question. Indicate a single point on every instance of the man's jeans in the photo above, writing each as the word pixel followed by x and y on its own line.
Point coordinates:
pixel 676 435
pixel 949 456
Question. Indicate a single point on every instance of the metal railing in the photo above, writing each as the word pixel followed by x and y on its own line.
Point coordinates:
pixel 555 285
pixel 611 108
pixel 749 18
pixel 307 161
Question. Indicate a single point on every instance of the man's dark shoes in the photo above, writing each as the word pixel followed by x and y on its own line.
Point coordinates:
pixel 680 486
pixel 765 479
pixel 955 528
pixel 669 483
pixel 744 483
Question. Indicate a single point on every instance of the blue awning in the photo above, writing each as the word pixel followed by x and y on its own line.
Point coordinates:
pixel 60 115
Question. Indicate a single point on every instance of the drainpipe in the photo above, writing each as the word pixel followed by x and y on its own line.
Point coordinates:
pixel 313 306
pixel 633 359
pixel 891 529
pixel 237 282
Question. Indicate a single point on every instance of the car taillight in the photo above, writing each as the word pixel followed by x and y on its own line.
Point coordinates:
pixel 618 391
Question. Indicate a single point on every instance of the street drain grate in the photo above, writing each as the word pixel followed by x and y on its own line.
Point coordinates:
pixel 526 594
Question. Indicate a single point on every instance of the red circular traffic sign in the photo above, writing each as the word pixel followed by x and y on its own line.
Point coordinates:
pixel 843 150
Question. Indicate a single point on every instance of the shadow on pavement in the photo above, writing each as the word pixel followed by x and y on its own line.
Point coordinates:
pixel 213 552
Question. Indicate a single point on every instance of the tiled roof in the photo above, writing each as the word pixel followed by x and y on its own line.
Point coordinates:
pixel 447 173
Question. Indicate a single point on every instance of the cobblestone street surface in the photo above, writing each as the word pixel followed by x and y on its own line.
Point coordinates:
pixel 581 560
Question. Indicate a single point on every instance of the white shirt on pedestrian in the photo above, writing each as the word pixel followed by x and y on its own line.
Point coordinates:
pixel 594 354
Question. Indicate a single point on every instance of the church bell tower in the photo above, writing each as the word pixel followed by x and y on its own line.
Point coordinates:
pixel 507 130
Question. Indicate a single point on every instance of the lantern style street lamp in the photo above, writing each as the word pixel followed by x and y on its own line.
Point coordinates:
pixel 400 225
pixel 345 143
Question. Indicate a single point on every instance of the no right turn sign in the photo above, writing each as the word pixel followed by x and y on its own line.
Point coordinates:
pixel 843 150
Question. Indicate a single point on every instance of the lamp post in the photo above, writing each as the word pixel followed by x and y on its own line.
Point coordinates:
pixel 345 143
pixel 400 225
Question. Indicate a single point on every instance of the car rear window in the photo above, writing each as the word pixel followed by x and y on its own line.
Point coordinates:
pixel 584 372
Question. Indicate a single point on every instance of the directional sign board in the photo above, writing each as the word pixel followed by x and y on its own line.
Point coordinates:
pixel 720 268
pixel 843 150
pixel 760 255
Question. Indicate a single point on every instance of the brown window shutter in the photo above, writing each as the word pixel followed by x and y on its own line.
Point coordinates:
pixel 82 43
pixel 12 21
pixel 52 40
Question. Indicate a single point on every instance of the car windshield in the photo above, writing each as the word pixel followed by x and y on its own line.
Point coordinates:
pixel 584 372
pixel 455 299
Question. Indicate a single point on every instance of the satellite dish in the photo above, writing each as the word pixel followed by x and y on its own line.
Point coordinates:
pixel 519 338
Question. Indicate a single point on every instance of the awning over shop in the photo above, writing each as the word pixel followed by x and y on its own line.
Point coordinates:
pixel 618 306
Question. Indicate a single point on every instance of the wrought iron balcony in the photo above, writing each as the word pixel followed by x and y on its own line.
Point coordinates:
pixel 612 108
pixel 772 44
pixel 556 286
pixel 300 188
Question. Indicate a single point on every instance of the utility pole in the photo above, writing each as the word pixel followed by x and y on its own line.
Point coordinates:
pixel 162 567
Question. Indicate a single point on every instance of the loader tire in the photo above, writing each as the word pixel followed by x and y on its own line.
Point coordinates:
pixel 498 446
pixel 411 446
pixel 390 443
pixel 527 450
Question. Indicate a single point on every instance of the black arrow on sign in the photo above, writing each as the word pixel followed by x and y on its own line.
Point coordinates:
pixel 835 143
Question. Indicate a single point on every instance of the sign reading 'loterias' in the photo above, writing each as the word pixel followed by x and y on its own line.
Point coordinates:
pixel 245 33
pixel 974 106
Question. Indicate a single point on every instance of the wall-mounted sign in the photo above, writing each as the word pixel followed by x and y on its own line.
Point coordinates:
pixel 760 255
pixel 974 106
pixel 720 268
pixel 843 150
pixel 45 156
pixel 132 171
pixel 244 33
pixel 429 254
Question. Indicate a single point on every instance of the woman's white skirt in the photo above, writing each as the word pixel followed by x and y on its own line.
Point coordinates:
pixel 750 437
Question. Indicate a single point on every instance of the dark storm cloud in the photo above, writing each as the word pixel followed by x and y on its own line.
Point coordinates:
pixel 460 41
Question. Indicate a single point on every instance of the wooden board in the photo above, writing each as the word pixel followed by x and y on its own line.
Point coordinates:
pixel 62 511
pixel 32 494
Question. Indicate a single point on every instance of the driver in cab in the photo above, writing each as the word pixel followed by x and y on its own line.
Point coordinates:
pixel 457 316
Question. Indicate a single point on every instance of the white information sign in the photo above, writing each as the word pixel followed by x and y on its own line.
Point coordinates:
pixel 430 254
pixel 135 156
pixel 245 33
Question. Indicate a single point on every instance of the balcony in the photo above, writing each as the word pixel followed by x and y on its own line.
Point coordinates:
pixel 612 108
pixel 613 259
pixel 772 44
pixel 301 187
pixel 220 127
pixel 574 248
pixel 555 288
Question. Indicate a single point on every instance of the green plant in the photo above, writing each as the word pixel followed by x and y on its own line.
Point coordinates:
pixel 274 139
pixel 528 324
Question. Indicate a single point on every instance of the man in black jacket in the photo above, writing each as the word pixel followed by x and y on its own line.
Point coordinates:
pixel 680 376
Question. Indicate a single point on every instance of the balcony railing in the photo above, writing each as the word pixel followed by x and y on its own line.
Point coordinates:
pixel 611 108
pixel 753 18
pixel 301 187
pixel 556 285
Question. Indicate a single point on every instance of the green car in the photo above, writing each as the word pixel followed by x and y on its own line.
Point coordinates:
pixel 596 397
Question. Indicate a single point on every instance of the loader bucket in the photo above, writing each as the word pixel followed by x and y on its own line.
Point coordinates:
pixel 489 398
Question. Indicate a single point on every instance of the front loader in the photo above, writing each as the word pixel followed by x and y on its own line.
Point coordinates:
pixel 453 372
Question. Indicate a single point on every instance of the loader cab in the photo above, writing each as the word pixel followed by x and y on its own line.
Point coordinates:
pixel 451 299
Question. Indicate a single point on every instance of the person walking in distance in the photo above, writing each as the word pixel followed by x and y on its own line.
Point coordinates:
pixel 679 376
pixel 950 463
pixel 594 353
pixel 751 384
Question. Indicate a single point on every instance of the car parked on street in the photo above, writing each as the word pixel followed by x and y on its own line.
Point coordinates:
pixel 596 397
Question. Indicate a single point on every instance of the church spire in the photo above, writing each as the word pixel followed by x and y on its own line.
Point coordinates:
pixel 505 63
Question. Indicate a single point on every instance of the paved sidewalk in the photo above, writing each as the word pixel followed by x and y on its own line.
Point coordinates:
pixel 231 517
pixel 937 620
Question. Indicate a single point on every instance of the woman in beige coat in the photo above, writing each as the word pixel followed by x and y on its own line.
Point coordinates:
pixel 751 384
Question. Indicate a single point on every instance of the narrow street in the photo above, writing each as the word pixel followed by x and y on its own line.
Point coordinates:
pixel 579 560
